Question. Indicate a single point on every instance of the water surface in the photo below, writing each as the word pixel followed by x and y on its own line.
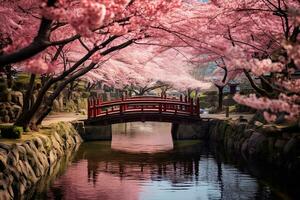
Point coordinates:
pixel 142 163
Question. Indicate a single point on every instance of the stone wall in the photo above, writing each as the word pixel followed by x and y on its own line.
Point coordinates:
pixel 10 106
pixel 269 146
pixel 192 131
pixel 23 164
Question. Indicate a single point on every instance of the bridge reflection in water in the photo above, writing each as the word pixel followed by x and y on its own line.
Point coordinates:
pixel 101 170
pixel 142 137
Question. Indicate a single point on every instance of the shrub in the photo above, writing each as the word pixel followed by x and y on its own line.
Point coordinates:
pixel 12 132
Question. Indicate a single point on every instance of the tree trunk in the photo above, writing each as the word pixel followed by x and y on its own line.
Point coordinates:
pixel 42 106
pixel 27 103
pixel 220 99
pixel 27 115
pixel 42 115
pixel 9 76
pixel 259 90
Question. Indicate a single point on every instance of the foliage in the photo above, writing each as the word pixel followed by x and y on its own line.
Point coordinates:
pixel 66 40
pixel 12 132
pixel 257 38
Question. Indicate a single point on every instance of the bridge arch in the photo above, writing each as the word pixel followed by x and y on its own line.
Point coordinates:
pixel 143 108
pixel 182 113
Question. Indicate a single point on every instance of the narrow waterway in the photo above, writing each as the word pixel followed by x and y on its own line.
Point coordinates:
pixel 142 163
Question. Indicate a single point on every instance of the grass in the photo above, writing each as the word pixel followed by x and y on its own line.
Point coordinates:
pixel 44 131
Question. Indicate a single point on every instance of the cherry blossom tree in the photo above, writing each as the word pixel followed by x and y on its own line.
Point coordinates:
pixel 142 66
pixel 258 38
pixel 64 40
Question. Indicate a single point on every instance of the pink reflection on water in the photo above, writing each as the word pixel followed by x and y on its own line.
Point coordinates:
pixel 76 184
pixel 141 137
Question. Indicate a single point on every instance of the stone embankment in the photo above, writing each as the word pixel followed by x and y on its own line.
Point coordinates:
pixel 23 164
pixel 11 108
pixel 270 146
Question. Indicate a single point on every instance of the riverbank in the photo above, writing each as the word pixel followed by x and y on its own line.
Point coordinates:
pixel 25 161
pixel 266 146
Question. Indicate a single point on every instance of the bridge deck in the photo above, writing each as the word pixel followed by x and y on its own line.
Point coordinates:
pixel 143 109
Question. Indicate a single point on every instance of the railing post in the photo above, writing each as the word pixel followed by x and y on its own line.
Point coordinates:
pixel 185 99
pixel 181 100
pixel 99 106
pixel 121 108
pixel 95 107
pixel 192 106
pixel 160 107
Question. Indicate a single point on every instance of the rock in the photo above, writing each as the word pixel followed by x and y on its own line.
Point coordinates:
pixel 15 173
pixel 70 141
pixel 3 162
pixel 38 143
pixel 5 147
pixel 6 119
pixel 22 152
pixel 3 185
pixel 279 144
pixel 292 148
pixel 244 149
pixel 21 186
pixel 257 145
pixel 52 158
pixel 31 175
pixel 17 97
pixel 7 96
pixel 57 139
pixel 286 135
pixel 4 195
pixel 11 114
pixel 11 159
pixel 61 102
pixel 56 106
pixel 3 112
pixel 23 164
pixel 17 110
pixel 56 145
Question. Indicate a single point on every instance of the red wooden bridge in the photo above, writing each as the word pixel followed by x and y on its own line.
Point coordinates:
pixel 143 108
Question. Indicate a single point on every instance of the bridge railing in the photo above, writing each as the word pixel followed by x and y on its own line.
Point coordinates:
pixel 181 106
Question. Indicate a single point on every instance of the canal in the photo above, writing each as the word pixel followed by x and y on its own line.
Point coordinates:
pixel 143 163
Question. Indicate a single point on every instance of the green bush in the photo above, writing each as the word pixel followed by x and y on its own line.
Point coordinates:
pixel 12 132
